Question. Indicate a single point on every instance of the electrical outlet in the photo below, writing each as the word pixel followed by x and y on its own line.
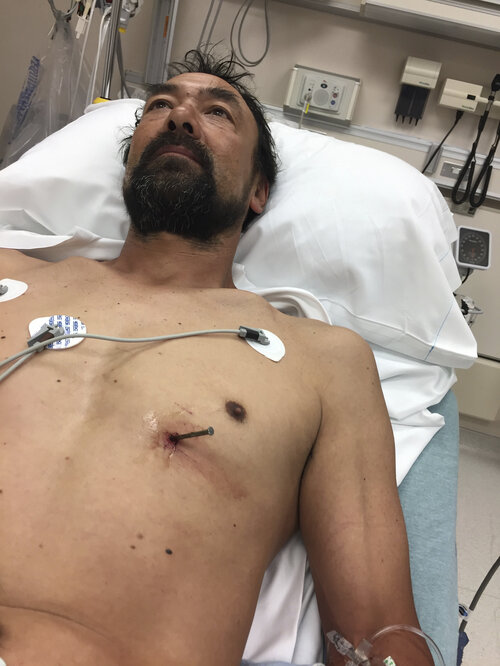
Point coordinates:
pixel 450 170
pixel 463 209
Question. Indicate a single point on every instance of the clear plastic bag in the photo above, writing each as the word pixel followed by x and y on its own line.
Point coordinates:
pixel 53 94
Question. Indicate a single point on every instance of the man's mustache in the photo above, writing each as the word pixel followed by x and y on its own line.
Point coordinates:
pixel 200 153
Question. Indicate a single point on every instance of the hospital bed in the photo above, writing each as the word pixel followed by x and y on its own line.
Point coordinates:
pixel 351 236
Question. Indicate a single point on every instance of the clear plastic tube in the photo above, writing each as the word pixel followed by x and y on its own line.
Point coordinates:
pixel 418 632
pixel 364 655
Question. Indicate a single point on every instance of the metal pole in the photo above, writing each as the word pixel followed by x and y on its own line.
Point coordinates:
pixel 111 48
pixel 160 43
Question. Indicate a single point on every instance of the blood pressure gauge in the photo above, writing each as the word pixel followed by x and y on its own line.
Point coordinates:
pixel 473 248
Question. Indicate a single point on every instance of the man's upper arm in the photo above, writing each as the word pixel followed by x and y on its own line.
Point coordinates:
pixel 350 515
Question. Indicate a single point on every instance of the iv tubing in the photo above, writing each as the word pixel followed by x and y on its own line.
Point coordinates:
pixel 84 47
pixel 413 630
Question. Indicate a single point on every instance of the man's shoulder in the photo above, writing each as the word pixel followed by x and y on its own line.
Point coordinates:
pixel 335 352
pixel 341 341
pixel 14 261
pixel 320 343
pixel 327 337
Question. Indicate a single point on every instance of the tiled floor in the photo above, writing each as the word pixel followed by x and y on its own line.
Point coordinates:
pixel 478 543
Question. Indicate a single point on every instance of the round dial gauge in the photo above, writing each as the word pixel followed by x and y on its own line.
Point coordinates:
pixel 473 247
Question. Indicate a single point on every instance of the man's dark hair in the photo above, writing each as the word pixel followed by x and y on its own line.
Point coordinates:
pixel 231 71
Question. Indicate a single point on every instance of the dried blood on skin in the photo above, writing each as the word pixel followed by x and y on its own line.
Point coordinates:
pixel 169 440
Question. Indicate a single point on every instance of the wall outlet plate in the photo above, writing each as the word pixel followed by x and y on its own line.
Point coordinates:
pixel 316 93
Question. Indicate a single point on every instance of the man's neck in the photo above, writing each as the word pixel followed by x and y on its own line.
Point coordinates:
pixel 174 262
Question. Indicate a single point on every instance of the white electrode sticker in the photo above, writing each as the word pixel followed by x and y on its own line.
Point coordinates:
pixel 69 324
pixel 275 350
pixel 10 289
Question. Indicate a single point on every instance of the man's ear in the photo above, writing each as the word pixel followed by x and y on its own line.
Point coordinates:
pixel 260 195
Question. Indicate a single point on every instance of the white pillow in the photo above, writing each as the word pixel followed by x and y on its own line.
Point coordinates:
pixel 70 185
pixel 370 237
pixel 363 231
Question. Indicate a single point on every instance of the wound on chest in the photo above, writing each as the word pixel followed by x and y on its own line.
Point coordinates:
pixel 168 440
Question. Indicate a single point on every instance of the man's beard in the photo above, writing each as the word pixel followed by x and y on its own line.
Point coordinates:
pixel 178 196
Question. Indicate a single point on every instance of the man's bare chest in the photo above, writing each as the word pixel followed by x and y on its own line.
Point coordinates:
pixel 131 401
pixel 93 462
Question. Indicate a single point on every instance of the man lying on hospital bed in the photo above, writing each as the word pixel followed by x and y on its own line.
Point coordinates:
pixel 138 545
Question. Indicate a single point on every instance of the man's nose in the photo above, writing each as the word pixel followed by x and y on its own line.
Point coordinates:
pixel 181 119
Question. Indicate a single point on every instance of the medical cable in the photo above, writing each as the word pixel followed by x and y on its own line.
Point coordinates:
pixel 16 365
pixel 219 6
pixel 470 162
pixel 458 116
pixel 480 591
pixel 237 49
pixel 49 334
pixel 467 275
pixel 475 199
pixel 202 39
pixel 207 17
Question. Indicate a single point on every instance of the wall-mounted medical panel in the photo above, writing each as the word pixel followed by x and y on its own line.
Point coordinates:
pixel 474 21
pixel 345 7
pixel 323 95
pixel 479 24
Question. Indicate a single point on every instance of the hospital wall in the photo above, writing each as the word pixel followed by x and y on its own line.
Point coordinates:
pixel 373 52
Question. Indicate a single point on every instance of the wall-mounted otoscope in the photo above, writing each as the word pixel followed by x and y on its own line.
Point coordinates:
pixel 475 191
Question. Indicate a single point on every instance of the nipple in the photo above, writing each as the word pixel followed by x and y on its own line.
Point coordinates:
pixel 236 410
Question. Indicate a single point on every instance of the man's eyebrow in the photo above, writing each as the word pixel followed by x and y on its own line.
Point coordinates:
pixel 161 89
pixel 222 94
pixel 211 92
